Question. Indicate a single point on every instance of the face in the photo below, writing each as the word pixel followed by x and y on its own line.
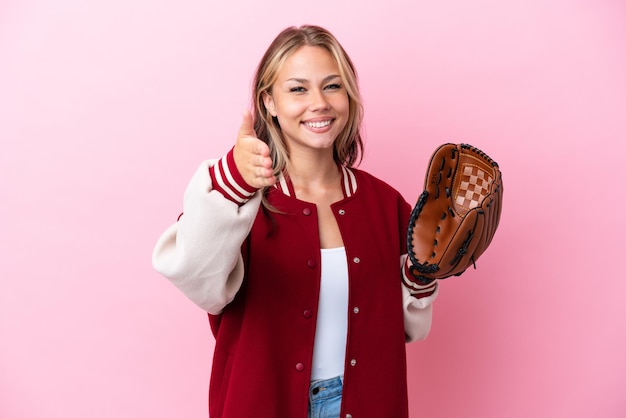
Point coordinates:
pixel 310 100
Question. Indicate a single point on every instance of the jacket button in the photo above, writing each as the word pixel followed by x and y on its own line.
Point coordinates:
pixel 353 362
pixel 342 212
pixel 311 263
pixel 356 309
pixel 357 260
pixel 299 367
pixel 307 313
pixel 306 211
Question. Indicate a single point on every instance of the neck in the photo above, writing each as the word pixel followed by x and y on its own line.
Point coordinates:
pixel 306 171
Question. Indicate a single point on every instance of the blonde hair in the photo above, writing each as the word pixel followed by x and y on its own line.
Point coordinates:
pixel 348 147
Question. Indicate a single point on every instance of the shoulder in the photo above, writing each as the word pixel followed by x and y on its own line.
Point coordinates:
pixel 371 188
pixel 370 182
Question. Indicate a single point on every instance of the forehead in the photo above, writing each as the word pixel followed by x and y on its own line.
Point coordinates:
pixel 308 62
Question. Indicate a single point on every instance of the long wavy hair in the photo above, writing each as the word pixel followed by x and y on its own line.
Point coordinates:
pixel 348 146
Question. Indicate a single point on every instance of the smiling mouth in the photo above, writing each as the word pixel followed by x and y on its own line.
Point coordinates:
pixel 318 124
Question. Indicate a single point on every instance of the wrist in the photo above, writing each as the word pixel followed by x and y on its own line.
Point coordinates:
pixel 228 180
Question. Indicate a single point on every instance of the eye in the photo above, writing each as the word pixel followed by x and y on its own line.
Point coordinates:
pixel 334 86
pixel 297 89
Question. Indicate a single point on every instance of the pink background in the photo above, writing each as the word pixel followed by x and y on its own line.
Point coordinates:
pixel 107 108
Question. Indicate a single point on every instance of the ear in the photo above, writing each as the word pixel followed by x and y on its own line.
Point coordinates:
pixel 268 101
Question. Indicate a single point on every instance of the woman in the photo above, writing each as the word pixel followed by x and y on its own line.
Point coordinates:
pixel 296 255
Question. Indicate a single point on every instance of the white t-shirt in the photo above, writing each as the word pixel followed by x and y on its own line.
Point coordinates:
pixel 329 351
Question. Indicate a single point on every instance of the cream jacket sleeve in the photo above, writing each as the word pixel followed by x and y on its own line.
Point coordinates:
pixel 201 253
pixel 417 302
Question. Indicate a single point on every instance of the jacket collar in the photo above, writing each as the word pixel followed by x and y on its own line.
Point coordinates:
pixel 348 183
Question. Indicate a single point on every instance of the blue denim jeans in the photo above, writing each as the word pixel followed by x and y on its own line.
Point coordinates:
pixel 325 398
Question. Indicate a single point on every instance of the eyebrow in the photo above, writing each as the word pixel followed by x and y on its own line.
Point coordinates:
pixel 304 80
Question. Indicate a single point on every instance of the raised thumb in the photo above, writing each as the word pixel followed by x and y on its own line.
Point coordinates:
pixel 247 125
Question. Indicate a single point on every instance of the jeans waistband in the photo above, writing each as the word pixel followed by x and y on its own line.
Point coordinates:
pixel 326 388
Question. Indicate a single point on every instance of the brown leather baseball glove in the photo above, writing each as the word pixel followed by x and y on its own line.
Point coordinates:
pixel 455 218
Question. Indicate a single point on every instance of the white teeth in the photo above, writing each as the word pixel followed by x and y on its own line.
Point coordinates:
pixel 317 124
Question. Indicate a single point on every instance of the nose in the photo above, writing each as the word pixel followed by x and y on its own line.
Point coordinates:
pixel 318 101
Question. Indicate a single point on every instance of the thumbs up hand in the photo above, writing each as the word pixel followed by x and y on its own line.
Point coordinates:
pixel 252 156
